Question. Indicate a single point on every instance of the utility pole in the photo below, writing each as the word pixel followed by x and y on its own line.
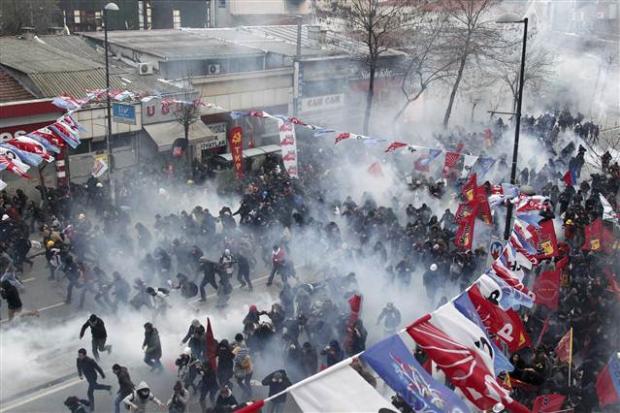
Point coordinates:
pixel 296 69
pixel 108 7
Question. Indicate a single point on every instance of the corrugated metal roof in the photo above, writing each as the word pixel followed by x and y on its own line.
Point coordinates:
pixel 77 45
pixel 174 44
pixel 74 83
pixel 34 57
pixel 11 89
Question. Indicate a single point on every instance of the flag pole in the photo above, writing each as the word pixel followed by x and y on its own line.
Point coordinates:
pixel 570 355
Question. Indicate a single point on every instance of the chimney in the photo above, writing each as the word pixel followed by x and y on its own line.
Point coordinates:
pixel 28 33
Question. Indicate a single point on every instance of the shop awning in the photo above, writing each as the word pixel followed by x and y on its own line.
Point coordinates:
pixel 252 152
pixel 165 133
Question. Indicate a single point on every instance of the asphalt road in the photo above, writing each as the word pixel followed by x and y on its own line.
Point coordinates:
pixel 37 355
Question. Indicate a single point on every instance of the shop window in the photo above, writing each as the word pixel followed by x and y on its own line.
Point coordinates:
pixel 82 148
pixel 120 141
pixel 98 146
pixel 77 16
pixel 176 19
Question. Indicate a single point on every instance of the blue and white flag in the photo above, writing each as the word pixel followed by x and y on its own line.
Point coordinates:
pixel 466 307
pixel 501 293
pixel 399 369
pixel 31 159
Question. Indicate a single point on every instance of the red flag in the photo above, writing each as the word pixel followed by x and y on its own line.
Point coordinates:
pixel 375 169
pixel 9 164
pixel 543 330
pixel 464 237
pixel 547 241
pixel 342 136
pixel 564 349
pixel 507 325
pixel 469 190
pixel 211 346
pixel 452 158
pixel 548 403
pixel 547 289
pixel 463 367
pixel 355 304
pixel 483 205
pixel 598 238
pixel 568 178
pixel 394 146
pixel 608 382
pixel 251 407
pixel 612 284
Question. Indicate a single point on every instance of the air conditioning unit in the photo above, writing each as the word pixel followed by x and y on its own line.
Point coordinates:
pixel 145 68
pixel 213 69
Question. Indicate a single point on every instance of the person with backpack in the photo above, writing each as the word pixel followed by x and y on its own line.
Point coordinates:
pixel 179 400
pixel 137 401
pixel 243 368
pixel 125 385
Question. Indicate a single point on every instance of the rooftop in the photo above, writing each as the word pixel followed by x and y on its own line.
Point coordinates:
pixel 60 64
pixel 170 44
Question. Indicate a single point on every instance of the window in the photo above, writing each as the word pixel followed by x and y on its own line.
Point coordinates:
pixel 141 14
pixel 98 146
pixel 221 4
pixel 176 19
pixel 120 141
pixel 77 14
pixel 83 147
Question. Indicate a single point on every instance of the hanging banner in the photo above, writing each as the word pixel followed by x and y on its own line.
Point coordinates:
pixel 236 150
pixel 100 166
pixel 288 143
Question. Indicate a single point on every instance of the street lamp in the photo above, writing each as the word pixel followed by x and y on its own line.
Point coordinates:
pixel 510 19
pixel 108 7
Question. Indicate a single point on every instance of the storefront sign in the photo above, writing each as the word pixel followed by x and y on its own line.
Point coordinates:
pixel 158 110
pixel 327 102
pixel 236 150
pixel 123 113
pixel 218 139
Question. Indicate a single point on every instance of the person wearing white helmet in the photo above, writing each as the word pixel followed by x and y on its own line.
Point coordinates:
pixel 431 281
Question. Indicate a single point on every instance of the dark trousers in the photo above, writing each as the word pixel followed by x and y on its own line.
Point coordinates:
pixel 243 276
pixel 153 362
pixel 99 345
pixel 92 386
pixel 279 268
pixel 206 280
pixel 72 284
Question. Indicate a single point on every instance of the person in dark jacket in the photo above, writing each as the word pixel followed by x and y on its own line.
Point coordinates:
pixel 277 382
pixel 225 399
pixel 77 405
pixel 152 347
pixel 333 353
pixel 88 368
pixel 225 363
pixel 207 385
pixel 125 385
pixel 243 271
pixel 10 293
pixel 99 335
pixel 309 359
pixel 196 337
pixel 208 268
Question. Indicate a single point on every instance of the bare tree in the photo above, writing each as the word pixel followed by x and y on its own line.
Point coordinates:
pixel 378 25
pixel 539 70
pixel 424 65
pixel 470 35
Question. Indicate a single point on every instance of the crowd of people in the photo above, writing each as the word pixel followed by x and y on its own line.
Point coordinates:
pixel 184 254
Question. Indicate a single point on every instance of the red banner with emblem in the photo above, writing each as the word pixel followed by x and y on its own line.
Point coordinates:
pixel 236 150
